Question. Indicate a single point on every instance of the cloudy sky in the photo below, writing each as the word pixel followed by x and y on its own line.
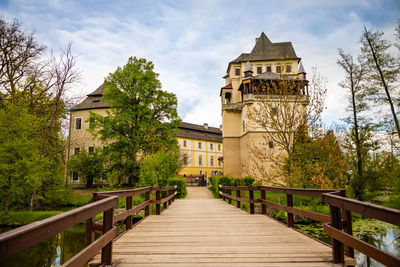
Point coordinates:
pixel 191 42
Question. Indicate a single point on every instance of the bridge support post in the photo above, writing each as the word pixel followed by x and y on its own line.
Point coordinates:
pixel 128 220
pixel 348 227
pixel 106 252
pixel 89 238
pixel 289 203
pixel 169 193
pixel 147 208
pixel 251 197
pixel 337 246
pixel 158 204
pixel 263 206
pixel 229 193
pixel 238 195
pixel 164 195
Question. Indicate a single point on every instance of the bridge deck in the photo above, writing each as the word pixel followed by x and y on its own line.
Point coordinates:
pixel 203 231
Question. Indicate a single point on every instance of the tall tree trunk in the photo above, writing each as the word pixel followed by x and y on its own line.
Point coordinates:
pixel 389 98
pixel 357 136
pixel 33 194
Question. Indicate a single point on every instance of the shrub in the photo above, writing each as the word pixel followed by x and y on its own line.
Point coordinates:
pixel 181 183
pixel 156 168
pixel 216 180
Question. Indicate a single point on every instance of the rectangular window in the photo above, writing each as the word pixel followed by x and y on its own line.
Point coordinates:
pixel 75 176
pixel 269 68
pixel 237 72
pixel 76 150
pixel 271 144
pixel 184 143
pixel 288 69
pixel 78 123
pixel 259 70
pixel 91 149
pixel 278 69
pixel 211 147
pixel 219 147
pixel 199 145
pixel 200 160
pixel 219 163
pixel 212 161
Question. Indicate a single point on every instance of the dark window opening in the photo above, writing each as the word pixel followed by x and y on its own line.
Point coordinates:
pixel 269 68
pixel 91 149
pixel 237 72
pixel 288 69
pixel 259 70
pixel 77 150
pixel 271 144
pixel 75 176
pixel 78 123
pixel 278 69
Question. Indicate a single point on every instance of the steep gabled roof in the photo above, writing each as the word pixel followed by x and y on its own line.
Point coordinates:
pixel 264 49
pixel 92 101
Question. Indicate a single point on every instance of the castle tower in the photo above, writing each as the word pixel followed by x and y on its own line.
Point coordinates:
pixel 267 63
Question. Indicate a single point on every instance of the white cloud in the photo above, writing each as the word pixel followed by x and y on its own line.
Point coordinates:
pixel 191 42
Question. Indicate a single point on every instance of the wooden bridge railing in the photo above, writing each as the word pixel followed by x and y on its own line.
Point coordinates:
pixel 343 243
pixel 24 237
pixel 334 227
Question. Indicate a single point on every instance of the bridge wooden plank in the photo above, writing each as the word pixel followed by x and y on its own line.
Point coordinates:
pixel 203 231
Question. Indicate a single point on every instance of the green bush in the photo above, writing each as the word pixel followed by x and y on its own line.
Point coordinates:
pixel 181 183
pixel 157 168
pixel 248 181
pixel 216 180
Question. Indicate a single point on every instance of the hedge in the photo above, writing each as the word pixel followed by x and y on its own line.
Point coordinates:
pixel 229 181
pixel 181 183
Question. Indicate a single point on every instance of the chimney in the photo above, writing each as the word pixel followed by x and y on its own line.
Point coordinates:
pixel 205 125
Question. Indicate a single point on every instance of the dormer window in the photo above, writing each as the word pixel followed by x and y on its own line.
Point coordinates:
pixel 237 72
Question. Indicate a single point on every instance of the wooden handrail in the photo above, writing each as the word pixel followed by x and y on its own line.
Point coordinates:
pixel 21 238
pixel 340 239
pixel 338 220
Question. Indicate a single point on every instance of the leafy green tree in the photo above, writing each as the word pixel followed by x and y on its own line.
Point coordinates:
pixel 38 86
pixel 89 165
pixel 143 118
pixel 157 168
pixel 383 71
pixel 319 162
pixel 21 163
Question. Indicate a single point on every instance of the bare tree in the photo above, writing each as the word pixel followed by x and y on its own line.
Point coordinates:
pixel 355 73
pixel 383 70
pixel 284 109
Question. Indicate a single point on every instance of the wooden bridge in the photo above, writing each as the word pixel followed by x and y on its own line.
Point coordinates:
pixel 203 231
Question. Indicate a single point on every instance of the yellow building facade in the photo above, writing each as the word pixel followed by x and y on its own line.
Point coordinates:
pixel 269 63
pixel 200 145
pixel 201 150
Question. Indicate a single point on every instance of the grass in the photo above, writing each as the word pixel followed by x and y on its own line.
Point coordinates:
pixel 19 218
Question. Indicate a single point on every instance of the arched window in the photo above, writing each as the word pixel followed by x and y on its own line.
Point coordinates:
pixel 212 161
pixel 200 160
pixel 185 159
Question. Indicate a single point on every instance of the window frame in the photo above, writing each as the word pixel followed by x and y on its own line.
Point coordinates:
pixel 91 149
pixel 288 68
pixel 77 150
pixel 259 69
pixel 199 145
pixel 278 69
pixel 80 124
pixel 184 143
pixel 73 175
pixel 200 160
pixel 237 71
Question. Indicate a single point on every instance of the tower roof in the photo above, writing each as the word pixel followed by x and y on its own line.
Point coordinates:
pixel 264 49
pixel 301 69
pixel 248 67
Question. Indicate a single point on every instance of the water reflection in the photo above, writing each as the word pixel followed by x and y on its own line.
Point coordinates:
pixel 51 252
